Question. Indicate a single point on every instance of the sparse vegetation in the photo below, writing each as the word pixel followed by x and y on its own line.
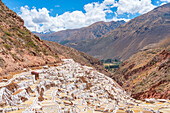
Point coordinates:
pixel 30 43
pixel 7 33
pixel 8 47
pixel 45 51
pixel 15 57
pixel 17 43
pixel 149 72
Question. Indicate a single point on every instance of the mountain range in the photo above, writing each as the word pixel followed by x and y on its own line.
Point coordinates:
pixel 72 36
pixel 121 42
pixel 130 37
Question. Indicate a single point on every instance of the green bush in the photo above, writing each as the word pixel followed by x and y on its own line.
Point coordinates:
pixel 8 47
pixel 112 66
pixel 44 51
pixel 30 43
pixel 8 34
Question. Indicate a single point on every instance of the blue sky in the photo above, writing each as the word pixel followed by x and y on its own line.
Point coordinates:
pixel 56 15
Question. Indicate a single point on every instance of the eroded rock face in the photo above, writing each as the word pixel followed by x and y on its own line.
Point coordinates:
pixel 19 48
pixel 2 62
pixel 146 73
pixel 69 87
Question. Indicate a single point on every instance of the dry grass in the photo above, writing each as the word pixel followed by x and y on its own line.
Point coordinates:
pixel 35 68
pixel 18 91
pixel 164 43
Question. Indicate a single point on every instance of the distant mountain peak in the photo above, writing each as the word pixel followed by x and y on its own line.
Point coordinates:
pixel 45 32
pixel 71 36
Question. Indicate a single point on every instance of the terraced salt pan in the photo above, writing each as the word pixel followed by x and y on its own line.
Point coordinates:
pixel 72 88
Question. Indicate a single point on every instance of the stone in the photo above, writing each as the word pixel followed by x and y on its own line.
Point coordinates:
pixel 162 100
pixel 151 100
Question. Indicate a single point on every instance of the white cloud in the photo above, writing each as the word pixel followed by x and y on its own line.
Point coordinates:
pixel 134 6
pixel 116 19
pixel 165 0
pixel 41 20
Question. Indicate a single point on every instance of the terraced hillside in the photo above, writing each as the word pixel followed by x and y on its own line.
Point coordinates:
pixel 70 87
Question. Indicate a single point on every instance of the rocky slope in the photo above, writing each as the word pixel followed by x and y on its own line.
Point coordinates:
pixel 78 56
pixel 71 36
pixel 19 48
pixel 146 74
pixel 130 37
pixel 70 88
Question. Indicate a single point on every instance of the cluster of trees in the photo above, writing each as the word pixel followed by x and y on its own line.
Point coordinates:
pixel 111 64
pixel 111 61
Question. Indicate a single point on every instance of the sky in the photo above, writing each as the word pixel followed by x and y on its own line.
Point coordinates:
pixel 56 15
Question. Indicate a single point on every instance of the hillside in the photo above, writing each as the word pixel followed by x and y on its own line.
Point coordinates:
pixel 130 37
pixel 71 36
pixel 78 56
pixel 51 78
pixel 146 74
pixel 19 48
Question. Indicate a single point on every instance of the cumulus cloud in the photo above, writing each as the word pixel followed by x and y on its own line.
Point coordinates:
pixel 41 21
pixel 165 0
pixel 116 19
pixel 134 6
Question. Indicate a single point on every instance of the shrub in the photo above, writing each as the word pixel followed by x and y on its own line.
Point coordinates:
pixel 8 34
pixel 8 47
pixel 30 43
pixel 44 51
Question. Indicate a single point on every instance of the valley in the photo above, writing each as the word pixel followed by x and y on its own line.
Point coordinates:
pixel 111 65
pixel 107 67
